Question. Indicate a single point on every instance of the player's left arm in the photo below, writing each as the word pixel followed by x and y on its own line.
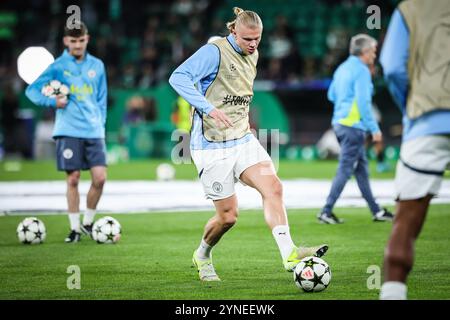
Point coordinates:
pixel 102 94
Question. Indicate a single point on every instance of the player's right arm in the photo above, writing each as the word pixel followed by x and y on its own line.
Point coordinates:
pixel 394 59
pixel 33 91
pixel 201 65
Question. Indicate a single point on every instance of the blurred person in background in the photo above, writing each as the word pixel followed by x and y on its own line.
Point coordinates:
pixel 181 117
pixel 134 113
pixel 10 122
pixel 351 93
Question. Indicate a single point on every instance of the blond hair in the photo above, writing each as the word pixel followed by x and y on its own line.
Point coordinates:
pixel 248 18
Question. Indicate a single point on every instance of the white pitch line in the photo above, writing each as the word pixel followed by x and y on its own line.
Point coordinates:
pixel 150 196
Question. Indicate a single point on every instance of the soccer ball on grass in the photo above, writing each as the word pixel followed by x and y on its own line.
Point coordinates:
pixel 31 231
pixel 106 230
pixel 312 274
pixel 165 172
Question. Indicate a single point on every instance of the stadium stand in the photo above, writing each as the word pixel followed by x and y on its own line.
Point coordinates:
pixel 141 43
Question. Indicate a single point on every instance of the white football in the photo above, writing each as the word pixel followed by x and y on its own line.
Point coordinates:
pixel 165 172
pixel 64 90
pixel 55 88
pixel 312 274
pixel 55 84
pixel 48 91
pixel 106 230
pixel 31 231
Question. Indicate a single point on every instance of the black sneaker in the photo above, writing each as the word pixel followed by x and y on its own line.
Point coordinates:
pixel 329 218
pixel 383 215
pixel 73 237
pixel 87 229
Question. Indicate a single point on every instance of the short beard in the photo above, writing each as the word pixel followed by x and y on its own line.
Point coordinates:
pixel 77 56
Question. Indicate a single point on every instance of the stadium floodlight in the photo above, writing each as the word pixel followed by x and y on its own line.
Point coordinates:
pixel 32 62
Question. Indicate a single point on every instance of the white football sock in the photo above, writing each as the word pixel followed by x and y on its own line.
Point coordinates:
pixel 89 215
pixel 284 241
pixel 74 219
pixel 204 251
pixel 393 290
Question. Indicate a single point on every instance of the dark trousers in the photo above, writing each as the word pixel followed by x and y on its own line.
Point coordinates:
pixel 352 160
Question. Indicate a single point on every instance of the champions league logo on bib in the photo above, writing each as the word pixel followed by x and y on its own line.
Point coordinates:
pixel 67 154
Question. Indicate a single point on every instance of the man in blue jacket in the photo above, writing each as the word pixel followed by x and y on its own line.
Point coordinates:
pixel 80 122
pixel 351 93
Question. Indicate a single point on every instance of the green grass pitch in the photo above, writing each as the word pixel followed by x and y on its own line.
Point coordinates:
pixel 153 258
pixel 146 170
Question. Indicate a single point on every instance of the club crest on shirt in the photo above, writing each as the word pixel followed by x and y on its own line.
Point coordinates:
pixel 91 73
